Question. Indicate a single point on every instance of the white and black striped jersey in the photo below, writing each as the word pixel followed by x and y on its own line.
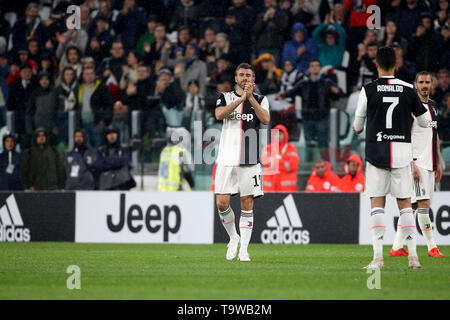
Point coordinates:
pixel 239 139
pixel 388 103
pixel 424 140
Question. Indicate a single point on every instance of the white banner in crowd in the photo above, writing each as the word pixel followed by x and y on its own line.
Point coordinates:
pixel 440 220
pixel 144 217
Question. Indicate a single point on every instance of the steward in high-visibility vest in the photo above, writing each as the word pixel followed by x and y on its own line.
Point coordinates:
pixel 175 173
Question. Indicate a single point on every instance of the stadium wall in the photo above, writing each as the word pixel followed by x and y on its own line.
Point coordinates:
pixel 191 217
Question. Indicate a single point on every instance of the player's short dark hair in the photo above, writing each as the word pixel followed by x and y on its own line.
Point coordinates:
pixel 386 58
pixel 245 65
pixel 422 73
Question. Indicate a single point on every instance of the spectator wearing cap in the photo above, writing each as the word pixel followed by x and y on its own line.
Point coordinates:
pixel 27 27
pixel 270 27
pixel 100 39
pixel 10 161
pixel 186 13
pixel 96 106
pixel 426 45
pixel 300 48
pixel 41 167
pixel 193 67
pixel 329 38
pixel 113 163
pixel 404 70
pixel 19 94
pixel 79 164
pixel 41 106
pixel 130 24
pixel 148 37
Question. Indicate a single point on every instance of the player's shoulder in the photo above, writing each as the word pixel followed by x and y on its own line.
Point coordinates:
pixel 432 102
pixel 258 97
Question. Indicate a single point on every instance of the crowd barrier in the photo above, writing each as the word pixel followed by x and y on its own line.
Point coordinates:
pixel 191 217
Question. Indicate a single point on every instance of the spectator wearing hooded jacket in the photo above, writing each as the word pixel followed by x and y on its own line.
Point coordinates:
pixel 353 181
pixel 300 48
pixel 79 164
pixel 280 159
pixel 41 167
pixel 322 179
pixel 10 161
pixel 114 163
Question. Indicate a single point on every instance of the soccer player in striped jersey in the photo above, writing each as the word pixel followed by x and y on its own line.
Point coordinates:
pixel 387 103
pixel 238 168
pixel 427 169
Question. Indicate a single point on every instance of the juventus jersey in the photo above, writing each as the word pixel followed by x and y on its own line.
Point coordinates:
pixel 388 103
pixel 239 139
pixel 424 140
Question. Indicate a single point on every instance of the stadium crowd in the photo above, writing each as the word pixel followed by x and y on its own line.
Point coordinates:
pixel 170 59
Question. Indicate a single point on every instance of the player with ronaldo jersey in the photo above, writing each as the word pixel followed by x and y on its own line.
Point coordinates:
pixel 427 169
pixel 238 168
pixel 387 103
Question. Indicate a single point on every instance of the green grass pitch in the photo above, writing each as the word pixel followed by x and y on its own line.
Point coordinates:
pixel 168 271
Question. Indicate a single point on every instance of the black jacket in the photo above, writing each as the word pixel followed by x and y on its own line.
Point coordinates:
pixel 79 168
pixel 101 102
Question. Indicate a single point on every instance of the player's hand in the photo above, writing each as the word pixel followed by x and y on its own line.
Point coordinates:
pixel 438 174
pixel 249 88
pixel 416 173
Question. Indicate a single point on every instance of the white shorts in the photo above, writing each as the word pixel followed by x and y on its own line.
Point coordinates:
pixel 397 181
pixel 423 188
pixel 246 180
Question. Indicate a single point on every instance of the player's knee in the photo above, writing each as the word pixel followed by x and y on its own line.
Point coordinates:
pixel 424 203
pixel 247 203
pixel 222 204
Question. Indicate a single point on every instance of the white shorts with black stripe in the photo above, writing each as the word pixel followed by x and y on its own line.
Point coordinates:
pixel 246 180
pixel 423 188
pixel 380 182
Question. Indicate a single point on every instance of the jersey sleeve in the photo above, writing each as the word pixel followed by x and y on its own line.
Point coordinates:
pixel 265 104
pixel 361 107
pixel 221 102
pixel 417 107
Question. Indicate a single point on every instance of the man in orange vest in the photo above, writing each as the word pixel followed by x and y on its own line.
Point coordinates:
pixel 280 159
pixel 353 181
pixel 322 179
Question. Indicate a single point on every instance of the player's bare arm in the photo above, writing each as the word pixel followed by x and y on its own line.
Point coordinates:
pixel 223 112
pixel 263 115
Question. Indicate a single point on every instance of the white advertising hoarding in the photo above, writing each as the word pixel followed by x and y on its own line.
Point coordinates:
pixel 144 217
pixel 440 220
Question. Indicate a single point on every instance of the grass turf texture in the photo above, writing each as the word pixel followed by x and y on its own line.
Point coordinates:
pixel 167 271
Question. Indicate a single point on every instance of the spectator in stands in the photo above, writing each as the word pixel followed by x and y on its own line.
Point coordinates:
pixel 121 120
pixel 442 88
pixel 354 179
pixel 175 164
pixel 34 52
pixel 267 75
pixel 444 120
pixel 96 106
pixel 393 36
pixel 193 67
pixel 317 92
pixel 289 78
pixel 442 14
pixel 114 163
pixel 186 13
pixel 223 70
pixel 5 28
pixel 129 71
pixel 41 168
pixel 130 24
pixel 72 38
pixel 237 21
pixel 365 63
pixel 426 44
pixel 27 27
pixel 207 44
pixel 66 99
pixel 280 159
pixel 79 163
pixel 4 88
pixel 73 60
pixel 100 40
pixel 105 9
pixel 300 48
pixel 135 95
pixel 153 50
pixel 222 47
pixel 41 108
pixel 322 179
pixel 404 69
pixel 148 37
pixel 194 106
pixel 10 161
pixel 18 100
pixel 270 27
pixel 21 59
pixel 407 18
pixel 111 67
pixel 329 37
pixel 47 64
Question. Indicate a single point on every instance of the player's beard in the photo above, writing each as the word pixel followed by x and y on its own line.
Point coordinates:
pixel 242 84
pixel 425 94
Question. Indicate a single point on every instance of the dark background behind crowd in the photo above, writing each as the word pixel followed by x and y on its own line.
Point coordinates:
pixel 171 58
